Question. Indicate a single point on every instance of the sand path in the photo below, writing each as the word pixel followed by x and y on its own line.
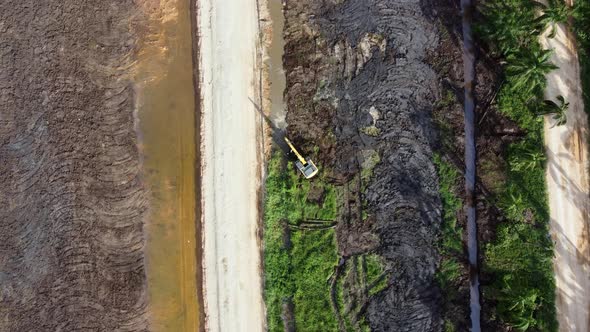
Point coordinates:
pixel 567 181
pixel 231 169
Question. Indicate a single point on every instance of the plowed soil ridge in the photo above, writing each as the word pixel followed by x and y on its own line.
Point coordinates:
pixel 358 82
pixel 71 198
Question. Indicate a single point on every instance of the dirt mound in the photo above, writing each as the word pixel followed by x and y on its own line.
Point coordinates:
pixel 357 81
pixel 72 202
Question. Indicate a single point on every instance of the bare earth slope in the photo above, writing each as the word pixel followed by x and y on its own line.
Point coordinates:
pixel 71 200
pixel 567 181
pixel 230 156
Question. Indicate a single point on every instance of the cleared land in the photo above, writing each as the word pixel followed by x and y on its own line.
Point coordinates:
pixel 97 211
pixel 72 203
pixel 231 171
pixel 567 181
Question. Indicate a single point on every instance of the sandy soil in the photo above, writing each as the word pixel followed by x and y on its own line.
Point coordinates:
pixel 231 172
pixel 567 181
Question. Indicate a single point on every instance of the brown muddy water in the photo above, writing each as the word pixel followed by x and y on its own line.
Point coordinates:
pixel 166 123
pixel 278 81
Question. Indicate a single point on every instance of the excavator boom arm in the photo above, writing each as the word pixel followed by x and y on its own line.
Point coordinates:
pixel 299 156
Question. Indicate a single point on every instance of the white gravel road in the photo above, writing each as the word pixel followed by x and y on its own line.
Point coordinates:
pixel 567 181
pixel 231 170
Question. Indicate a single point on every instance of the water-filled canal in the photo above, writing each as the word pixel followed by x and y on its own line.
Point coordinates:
pixel 470 156
pixel 166 118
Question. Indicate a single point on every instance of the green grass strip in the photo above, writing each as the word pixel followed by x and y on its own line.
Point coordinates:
pixel 297 271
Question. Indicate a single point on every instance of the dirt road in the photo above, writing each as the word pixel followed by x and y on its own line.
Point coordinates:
pixel 567 181
pixel 231 172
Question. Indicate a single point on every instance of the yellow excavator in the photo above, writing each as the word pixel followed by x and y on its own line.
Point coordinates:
pixel 306 167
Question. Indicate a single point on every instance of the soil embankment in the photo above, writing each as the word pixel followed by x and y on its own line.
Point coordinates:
pixel 358 87
pixel 231 153
pixel 567 181
pixel 72 202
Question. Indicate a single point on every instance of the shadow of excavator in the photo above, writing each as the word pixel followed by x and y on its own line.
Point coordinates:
pixel 304 165
pixel 278 135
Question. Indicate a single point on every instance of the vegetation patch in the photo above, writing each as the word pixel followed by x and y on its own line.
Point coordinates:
pixel 370 159
pixel 371 131
pixel 363 276
pixel 299 249
pixel 376 274
pixel 518 262
pixel 313 260
pixel 582 30
pixel 448 179
pixel 451 270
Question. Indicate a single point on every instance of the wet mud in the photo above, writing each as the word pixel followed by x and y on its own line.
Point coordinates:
pixel 358 83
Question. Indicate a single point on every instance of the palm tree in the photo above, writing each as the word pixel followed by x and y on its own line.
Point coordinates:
pixel 509 27
pixel 555 12
pixel 523 311
pixel 527 161
pixel 529 69
pixel 558 111
pixel 514 209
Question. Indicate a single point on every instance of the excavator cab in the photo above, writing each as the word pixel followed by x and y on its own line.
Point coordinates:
pixel 305 166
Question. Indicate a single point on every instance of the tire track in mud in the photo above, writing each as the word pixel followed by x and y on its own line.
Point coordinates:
pixel 72 202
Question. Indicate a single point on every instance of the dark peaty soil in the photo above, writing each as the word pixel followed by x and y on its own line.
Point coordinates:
pixel 71 199
pixel 357 81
